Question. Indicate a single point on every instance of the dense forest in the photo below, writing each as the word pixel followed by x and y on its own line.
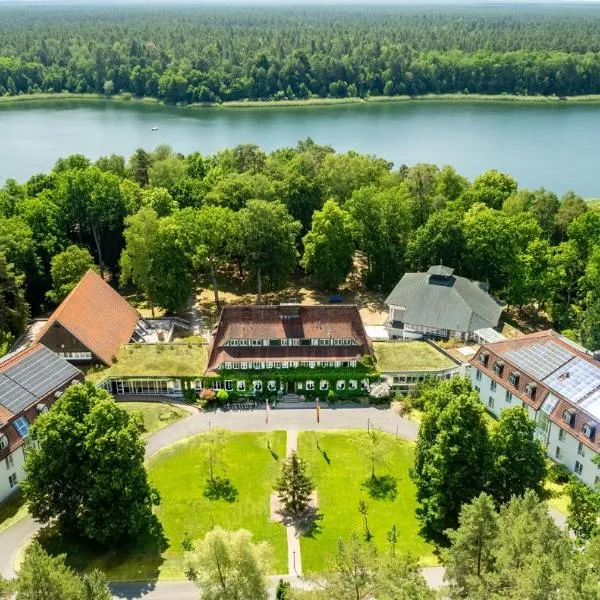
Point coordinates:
pixel 162 223
pixel 202 54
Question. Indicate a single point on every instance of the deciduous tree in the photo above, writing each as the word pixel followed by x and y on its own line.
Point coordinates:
pixel 328 246
pixel 67 268
pixel 268 241
pixel 85 469
pixel 227 565
pixel 452 459
pixel 519 460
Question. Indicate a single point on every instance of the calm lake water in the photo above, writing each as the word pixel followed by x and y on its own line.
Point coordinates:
pixel 552 145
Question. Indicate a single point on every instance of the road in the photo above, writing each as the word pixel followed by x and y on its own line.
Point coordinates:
pixel 13 538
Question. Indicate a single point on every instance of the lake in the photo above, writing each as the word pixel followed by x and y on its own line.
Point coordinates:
pixel 555 145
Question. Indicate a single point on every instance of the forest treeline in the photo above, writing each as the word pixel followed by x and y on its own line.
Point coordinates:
pixel 162 223
pixel 203 54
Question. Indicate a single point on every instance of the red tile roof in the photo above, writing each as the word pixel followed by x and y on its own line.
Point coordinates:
pixel 97 316
pixel 341 321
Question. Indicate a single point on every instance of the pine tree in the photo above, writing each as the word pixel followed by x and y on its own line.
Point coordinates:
pixel 294 486
pixel 471 554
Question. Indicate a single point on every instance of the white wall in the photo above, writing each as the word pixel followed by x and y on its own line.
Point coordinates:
pixel 568 445
pixel 569 454
pixel 19 459
pixel 498 395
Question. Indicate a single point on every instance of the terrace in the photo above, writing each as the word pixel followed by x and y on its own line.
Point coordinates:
pixel 183 359
pixel 410 357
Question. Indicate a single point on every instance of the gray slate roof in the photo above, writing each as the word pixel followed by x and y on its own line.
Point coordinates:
pixel 438 300
pixel 27 379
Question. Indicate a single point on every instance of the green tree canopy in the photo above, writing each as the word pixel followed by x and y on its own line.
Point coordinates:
pixel 328 246
pixel 67 268
pixel 452 458
pixel 85 469
pixel 227 565
pixel 519 459
pixel 268 239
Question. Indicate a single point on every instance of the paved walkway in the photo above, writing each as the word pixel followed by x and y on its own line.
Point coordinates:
pixel 293 535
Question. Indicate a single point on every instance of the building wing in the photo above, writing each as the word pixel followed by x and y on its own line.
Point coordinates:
pixel 96 316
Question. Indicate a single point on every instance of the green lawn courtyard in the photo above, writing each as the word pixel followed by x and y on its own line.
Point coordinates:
pixel 339 466
pixel 179 473
pixel 154 415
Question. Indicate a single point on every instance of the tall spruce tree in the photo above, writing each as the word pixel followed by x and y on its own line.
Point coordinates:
pixel 294 486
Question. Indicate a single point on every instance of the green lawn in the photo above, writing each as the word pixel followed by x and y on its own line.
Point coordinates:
pixel 338 484
pixel 395 357
pixel 154 415
pixel 13 509
pixel 182 359
pixel 179 474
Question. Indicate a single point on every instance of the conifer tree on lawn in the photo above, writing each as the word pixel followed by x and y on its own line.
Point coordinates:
pixel 294 486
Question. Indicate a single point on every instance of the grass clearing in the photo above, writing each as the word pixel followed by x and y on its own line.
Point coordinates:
pixel 12 509
pixel 184 359
pixel 154 415
pixel 339 468
pixel 179 473
pixel 395 357
pixel 557 496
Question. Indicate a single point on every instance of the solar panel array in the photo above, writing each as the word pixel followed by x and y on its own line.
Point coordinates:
pixel 541 359
pixel 32 378
pixel 592 404
pixel 576 380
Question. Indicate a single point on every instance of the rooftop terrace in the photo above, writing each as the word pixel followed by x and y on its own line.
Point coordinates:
pixel 415 356
pixel 156 360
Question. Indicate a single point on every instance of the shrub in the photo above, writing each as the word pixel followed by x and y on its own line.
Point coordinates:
pixel 559 473
pixel 207 395
pixel 222 396
pixel 380 390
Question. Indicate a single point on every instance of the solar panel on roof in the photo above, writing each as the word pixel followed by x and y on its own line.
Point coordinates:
pixel 33 377
pixel 576 380
pixel 14 397
pixel 541 359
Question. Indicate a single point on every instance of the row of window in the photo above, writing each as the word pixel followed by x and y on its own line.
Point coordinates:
pixel 291 342
pixel 588 429
pixel 257 385
pixel 76 355
pixel 311 364
pixel 513 377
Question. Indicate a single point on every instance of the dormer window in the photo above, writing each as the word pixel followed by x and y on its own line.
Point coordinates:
pixel 568 417
pixel 530 389
pixel 514 378
pixel 498 367
pixel 3 441
pixel 588 430
pixel 483 358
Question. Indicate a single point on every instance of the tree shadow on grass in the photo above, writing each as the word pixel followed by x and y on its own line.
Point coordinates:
pixel 307 524
pixel 382 487
pixel 273 453
pixel 136 559
pixel 324 454
pixel 220 488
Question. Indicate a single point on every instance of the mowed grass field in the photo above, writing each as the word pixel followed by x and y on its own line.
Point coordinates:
pixel 179 473
pixel 154 415
pixel 339 467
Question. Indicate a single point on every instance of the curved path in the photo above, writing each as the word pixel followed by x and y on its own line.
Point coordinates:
pixel 13 538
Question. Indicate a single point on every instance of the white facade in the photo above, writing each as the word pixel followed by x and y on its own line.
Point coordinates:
pixel 11 472
pixel 575 455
